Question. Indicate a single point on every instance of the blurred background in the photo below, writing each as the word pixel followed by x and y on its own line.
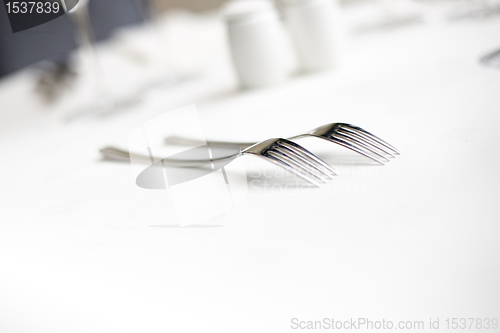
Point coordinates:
pixel 55 39
pixel 108 54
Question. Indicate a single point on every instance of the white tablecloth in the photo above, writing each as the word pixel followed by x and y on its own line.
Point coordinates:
pixel 82 248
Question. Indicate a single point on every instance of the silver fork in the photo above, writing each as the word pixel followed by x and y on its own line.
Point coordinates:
pixel 346 135
pixel 281 152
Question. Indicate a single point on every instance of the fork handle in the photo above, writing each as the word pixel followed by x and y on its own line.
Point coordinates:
pixel 182 141
pixel 116 154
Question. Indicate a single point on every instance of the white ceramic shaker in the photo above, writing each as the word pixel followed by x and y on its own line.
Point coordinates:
pixel 259 48
pixel 316 31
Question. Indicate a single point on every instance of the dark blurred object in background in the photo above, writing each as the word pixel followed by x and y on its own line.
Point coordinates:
pixel 53 40
pixel 191 5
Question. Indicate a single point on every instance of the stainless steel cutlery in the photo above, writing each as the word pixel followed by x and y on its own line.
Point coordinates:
pixel 281 152
pixel 346 135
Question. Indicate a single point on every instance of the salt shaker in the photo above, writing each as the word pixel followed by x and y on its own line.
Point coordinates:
pixel 316 33
pixel 259 48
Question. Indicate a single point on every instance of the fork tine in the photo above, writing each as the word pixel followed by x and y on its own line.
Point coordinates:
pixel 368 142
pixel 291 169
pixel 350 146
pixel 359 145
pixel 306 153
pixel 294 163
pixel 311 163
pixel 370 135
pixel 315 167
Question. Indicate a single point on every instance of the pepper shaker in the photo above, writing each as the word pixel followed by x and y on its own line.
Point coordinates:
pixel 259 48
pixel 315 29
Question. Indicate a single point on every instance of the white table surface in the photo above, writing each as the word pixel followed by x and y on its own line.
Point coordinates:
pixel 418 238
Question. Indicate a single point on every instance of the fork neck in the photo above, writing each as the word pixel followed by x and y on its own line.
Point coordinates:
pixel 303 135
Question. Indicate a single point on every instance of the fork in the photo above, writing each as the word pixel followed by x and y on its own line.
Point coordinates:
pixel 346 135
pixel 282 152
